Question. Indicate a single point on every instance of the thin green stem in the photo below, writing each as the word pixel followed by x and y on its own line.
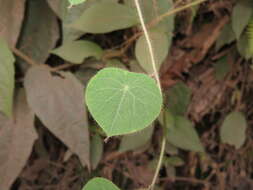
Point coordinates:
pixel 150 48
pixel 159 165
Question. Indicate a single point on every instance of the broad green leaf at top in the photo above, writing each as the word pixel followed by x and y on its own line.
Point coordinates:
pixel 106 17
pixel 123 102
pixel 99 183
pixel 7 73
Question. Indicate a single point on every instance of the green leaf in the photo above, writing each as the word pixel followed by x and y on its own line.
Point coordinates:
pixel 179 98
pixel 77 51
pixel 173 161
pixel 99 183
pixel 181 133
pixel 96 150
pixel 76 2
pixel 233 129
pixel 106 17
pixel 243 9
pixel 7 73
pixel 136 140
pixel 243 46
pixel 115 63
pixel 221 68
pixel 160 43
pixel 226 37
pixel 152 9
pixel 123 102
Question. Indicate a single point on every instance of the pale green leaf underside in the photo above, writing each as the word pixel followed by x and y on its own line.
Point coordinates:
pixel 6 78
pixel 123 102
pixel 160 43
pixel 100 183
pixel 106 17
pixel 76 2
pixel 77 51
pixel 233 129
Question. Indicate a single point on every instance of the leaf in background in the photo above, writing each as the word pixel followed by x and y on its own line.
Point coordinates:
pixel 76 2
pixel 96 150
pixel 152 9
pixel 160 43
pixel 99 183
pixel 17 137
pixel 221 68
pixel 136 140
pixel 115 63
pixel 7 73
pixel 243 46
pixel 226 37
pixel 78 51
pixel 40 32
pixel 11 14
pixel 179 98
pixel 57 99
pixel 96 18
pixel 123 102
pixel 241 15
pixel 233 129
pixel 181 133
pixel 173 161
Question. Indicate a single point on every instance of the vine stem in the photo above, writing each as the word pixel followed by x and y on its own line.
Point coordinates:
pixel 156 74
pixel 159 165
pixel 150 48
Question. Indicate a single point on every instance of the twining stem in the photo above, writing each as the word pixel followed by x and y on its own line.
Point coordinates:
pixel 150 48
pixel 159 165
pixel 156 74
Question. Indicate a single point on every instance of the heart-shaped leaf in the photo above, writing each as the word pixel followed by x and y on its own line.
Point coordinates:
pixel 106 17
pixel 123 102
pixel 100 183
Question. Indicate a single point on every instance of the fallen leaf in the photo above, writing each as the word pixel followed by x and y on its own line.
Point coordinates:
pixel 17 137
pixel 11 14
pixel 58 100
pixel 40 32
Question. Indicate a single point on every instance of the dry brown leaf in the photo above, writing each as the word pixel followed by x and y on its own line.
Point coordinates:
pixel 11 14
pixel 58 100
pixel 16 142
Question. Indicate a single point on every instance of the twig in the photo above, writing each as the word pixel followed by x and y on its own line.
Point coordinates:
pixel 174 11
pixel 23 56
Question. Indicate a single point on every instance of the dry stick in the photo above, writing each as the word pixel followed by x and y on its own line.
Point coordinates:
pixel 169 13
pixel 23 56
